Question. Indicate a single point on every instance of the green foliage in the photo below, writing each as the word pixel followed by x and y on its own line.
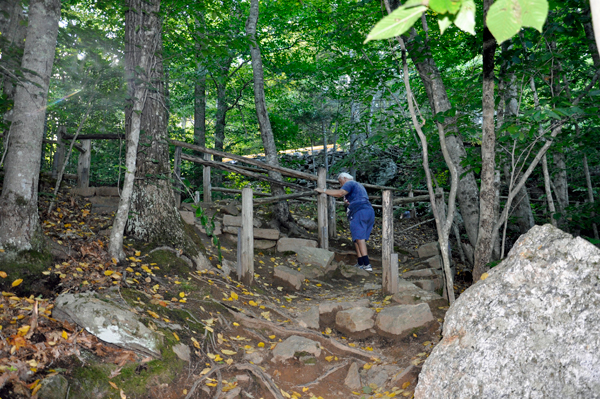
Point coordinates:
pixel 209 227
pixel 506 17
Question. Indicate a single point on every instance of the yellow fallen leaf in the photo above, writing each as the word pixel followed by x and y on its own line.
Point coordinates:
pixel 176 336
pixel 23 331
pixel 129 269
pixel 137 253
pixel 108 272
pixel 261 345
pixel 271 337
pixel 196 343
pixel 211 384
pixel 182 294
pixel 484 276
pixel 252 303
pixel 367 366
pixel 151 313
pixel 17 282
pixel 206 370
pixel 329 358
pixel 228 352
pixel 65 335
pixel 236 324
pixel 3 274
pixel 112 384
pixel 234 295
pixel 406 385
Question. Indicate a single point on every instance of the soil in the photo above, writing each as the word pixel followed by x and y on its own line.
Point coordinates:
pixel 209 309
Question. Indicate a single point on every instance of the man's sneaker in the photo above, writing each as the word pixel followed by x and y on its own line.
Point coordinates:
pixel 367 268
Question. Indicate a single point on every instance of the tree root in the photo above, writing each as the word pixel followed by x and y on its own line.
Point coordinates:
pixel 327 373
pixel 264 378
pixel 199 381
pixel 177 253
pixel 336 347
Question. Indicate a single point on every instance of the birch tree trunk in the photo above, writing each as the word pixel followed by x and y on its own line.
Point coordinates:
pixel 19 222
pixel 282 212
pixel 487 200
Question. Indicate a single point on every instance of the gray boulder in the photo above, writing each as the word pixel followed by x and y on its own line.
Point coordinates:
pixel 328 310
pixel 286 244
pixel 529 330
pixel 309 319
pixel 295 346
pixel 315 256
pixel 355 322
pixel 54 387
pixel 107 321
pixel 399 320
pixel 290 279
pixel 428 250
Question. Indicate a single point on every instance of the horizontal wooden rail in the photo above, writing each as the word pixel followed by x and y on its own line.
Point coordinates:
pixel 234 191
pixel 285 197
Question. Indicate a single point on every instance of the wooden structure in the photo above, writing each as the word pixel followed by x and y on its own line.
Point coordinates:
pixel 390 268
pixel 246 241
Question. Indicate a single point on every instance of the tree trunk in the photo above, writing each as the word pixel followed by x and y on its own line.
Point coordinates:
pixel 282 212
pixel 13 29
pixel 487 199
pixel 590 191
pixel 19 222
pixel 468 192
pixel 154 217
pixel 550 201
pixel 83 164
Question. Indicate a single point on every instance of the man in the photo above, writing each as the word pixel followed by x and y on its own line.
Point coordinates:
pixel 360 215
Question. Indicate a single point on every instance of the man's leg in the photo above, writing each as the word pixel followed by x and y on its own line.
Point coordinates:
pixel 361 248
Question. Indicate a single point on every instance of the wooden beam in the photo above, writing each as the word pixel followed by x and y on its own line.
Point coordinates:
pixel 247 240
pixel 285 197
pixel 231 168
pixel 108 136
pixel 387 244
pixel 206 180
pixel 323 221
pixel 239 192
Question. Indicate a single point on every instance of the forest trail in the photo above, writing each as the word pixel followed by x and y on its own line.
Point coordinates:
pixel 230 331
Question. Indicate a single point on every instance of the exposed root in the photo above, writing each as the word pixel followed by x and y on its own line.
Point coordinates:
pixel 327 373
pixel 264 378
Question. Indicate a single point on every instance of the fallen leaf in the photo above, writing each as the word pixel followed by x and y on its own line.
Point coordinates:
pixel 17 282
pixel 484 276
pixel 3 274
pixel 112 384
pixel 228 352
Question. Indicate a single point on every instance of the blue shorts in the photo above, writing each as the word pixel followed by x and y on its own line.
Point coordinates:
pixel 361 223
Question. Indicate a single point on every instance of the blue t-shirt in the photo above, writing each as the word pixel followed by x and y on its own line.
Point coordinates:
pixel 357 196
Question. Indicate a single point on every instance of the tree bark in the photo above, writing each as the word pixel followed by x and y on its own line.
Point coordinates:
pixel 487 196
pixel 282 212
pixel 549 199
pixel 154 217
pixel 19 222
pixel 13 29
pixel 468 192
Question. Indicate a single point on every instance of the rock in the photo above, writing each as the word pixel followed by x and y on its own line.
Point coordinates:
pixel 264 244
pixel 295 346
pixel 372 287
pixel 399 320
pixel 267 234
pixel 529 330
pixel 201 262
pixel 315 256
pixel 417 295
pixel 435 262
pixel 352 380
pixel 84 191
pixel 188 217
pixel 107 321
pixel 351 272
pixel 233 394
pixel 309 319
pixel 236 221
pixel 420 273
pixel 53 387
pixel 290 279
pixel 308 224
pixel 311 272
pixel 60 252
pixel 355 322
pixel 182 351
pixel 254 357
pixel 107 191
pixel 218 230
pixel 286 244
pixel 409 375
pixel 429 285
pixel 230 209
pixel 428 250
pixel 228 266
pixel 379 374
pixel 328 310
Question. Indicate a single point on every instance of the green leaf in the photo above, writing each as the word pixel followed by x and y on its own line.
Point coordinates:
pixel 504 19
pixel 397 22
pixel 439 6
pixel 534 13
pixel 444 23
pixel 465 19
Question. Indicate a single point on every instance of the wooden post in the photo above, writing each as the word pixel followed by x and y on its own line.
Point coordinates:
pixel 331 216
pixel 177 186
pixel 322 209
pixel 206 180
pixel 392 286
pixel 196 197
pixel 247 241
pixel 413 211
pixel 387 243
pixel 83 165
pixel 59 154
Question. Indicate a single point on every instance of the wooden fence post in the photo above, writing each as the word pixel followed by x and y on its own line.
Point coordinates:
pixel 331 216
pixel 206 180
pixel 389 283
pixel 83 165
pixel 177 172
pixel 247 241
pixel 322 209
pixel 59 154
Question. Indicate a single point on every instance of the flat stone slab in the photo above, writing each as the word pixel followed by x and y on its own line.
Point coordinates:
pixel 309 319
pixel 236 221
pixel 315 256
pixel 84 191
pixel 286 244
pixel 420 273
pixel 107 321
pixel 328 310
pixel 355 322
pixel 188 217
pixel 264 244
pixel 288 278
pixel 428 250
pixel 107 191
pixel 399 320
pixel 265 234
pixel 295 346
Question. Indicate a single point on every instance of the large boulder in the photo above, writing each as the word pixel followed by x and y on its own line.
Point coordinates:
pixel 295 346
pixel 355 322
pixel 316 256
pixel 400 320
pixel 528 330
pixel 289 278
pixel 107 321
pixel 286 244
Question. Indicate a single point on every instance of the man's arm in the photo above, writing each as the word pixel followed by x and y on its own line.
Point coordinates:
pixel 334 193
